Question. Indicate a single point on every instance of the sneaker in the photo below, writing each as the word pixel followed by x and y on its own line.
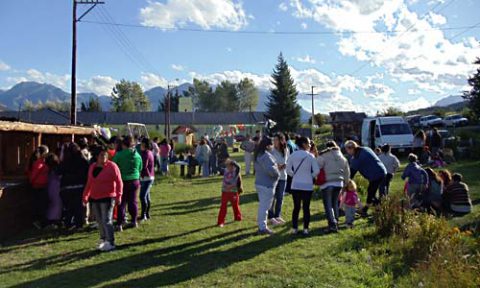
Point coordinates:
pixel 274 222
pixel 119 228
pixel 294 231
pixel 266 231
pixel 280 220
pixel 305 232
pixel 221 225
pixel 94 225
pixel 107 247
pixel 101 244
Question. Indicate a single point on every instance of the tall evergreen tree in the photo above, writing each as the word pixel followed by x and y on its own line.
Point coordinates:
pixel 93 105
pixel 473 96
pixel 226 97
pixel 282 102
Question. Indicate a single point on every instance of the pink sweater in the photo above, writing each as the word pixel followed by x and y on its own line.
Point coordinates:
pixel 107 184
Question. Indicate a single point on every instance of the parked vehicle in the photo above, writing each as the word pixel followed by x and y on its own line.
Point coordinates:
pixel 455 120
pixel 413 120
pixel 394 131
pixel 430 121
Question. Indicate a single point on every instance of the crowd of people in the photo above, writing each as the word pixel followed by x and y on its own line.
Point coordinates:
pixel 283 166
pixel 85 182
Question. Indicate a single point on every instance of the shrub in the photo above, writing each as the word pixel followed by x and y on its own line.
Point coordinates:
pixel 388 216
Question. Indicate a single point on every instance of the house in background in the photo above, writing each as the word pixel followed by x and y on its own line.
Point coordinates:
pixel 346 125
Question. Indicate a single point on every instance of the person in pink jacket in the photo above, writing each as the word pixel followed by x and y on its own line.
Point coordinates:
pixel 104 190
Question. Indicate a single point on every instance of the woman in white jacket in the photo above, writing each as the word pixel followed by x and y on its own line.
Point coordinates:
pixel 337 174
pixel 302 167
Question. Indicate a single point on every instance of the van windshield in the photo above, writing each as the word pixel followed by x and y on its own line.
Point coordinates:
pixel 395 129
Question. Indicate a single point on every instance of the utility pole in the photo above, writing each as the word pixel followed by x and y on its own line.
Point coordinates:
pixel 73 100
pixel 313 112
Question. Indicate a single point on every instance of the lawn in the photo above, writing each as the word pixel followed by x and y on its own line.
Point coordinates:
pixel 181 246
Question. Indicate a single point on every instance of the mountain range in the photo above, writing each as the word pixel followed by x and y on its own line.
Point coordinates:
pixel 13 98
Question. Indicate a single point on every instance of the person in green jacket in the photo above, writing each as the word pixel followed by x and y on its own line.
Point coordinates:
pixel 130 163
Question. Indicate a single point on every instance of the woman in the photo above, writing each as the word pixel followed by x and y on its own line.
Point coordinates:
pixel 156 154
pixel 364 160
pixel 302 167
pixel 435 142
pixel 222 154
pixel 38 179
pixel 164 152
pixel 147 177
pixel 417 182
pixel 280 153
pixel 54 212
pixel 202 153
pixel 419 143
pixel 130 164
pixel 266 178
pixel 433 197
pixel 103 190
pixel 446 177
pixel 74 172
pixel 337 174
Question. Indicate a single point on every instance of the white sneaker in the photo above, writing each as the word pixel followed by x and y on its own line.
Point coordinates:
pixel 305 232
pixel 101 244
pixel 280 220
pixel 274 222
pixel 294 231
pixel 107 246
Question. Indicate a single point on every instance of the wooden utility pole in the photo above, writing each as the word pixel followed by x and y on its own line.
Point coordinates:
pixel 313 113
pixel 73 99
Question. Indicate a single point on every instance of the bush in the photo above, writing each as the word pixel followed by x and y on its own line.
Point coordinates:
pixel 182 148
pixel 388 216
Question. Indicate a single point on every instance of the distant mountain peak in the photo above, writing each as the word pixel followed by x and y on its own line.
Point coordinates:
pixel 449 100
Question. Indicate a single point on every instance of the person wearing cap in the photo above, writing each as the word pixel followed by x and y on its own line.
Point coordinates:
pixel 392 164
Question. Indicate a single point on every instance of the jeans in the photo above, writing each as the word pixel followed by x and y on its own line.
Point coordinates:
pixel 233 198
pixel 145 187
pixel 157 163
pixel 330 203
pixel 350 214
pixel 372 191
pixel 275 210
pixel 129 198
pixel 74 210
pixel 248 162
pixel 164 164
pixel 40 203
pixel 300 196
pixel 385 186
pixel 265 198
pixel 213 164
pixel 205 169
pixel 104 214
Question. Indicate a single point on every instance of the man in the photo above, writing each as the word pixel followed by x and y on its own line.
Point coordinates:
pixel 248 146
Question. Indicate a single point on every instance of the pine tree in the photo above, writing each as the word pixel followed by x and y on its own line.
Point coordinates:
pixel 93 105
pixel 473 96
pixel 247 94
pixel 282 102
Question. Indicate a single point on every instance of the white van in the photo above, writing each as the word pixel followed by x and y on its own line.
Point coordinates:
pixel 394 131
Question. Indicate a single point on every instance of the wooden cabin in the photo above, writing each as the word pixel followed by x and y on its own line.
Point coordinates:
pixel 18 140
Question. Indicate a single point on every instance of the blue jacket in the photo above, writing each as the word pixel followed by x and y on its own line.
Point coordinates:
pixel 266 171
pixel 368 164
pixel 415 174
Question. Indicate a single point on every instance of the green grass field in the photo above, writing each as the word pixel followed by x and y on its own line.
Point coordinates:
pixel 181 246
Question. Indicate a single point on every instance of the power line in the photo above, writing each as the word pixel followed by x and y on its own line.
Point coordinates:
pixel 264 32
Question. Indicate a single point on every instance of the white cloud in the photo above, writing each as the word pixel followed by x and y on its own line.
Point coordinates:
pixel 100 85
pixel 304 25
pixel 283 6
pixel 150 80
pixel 306 59
pixel 61 81
pixel 423 56
pixel 225 14
pixel 4 66
pixel 177 67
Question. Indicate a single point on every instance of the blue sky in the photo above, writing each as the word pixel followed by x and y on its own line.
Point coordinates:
pixel 366 71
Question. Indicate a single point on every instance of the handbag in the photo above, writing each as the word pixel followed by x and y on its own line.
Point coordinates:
pixel 288 188
pixel 321 178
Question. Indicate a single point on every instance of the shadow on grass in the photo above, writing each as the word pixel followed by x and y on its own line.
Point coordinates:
pixel 188 261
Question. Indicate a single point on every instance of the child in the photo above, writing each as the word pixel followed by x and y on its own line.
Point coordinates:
pixel 392 164
pixel 417 181
pixel 350 201
pixel 231 189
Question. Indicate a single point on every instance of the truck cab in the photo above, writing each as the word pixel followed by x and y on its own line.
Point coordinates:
pixel 394 131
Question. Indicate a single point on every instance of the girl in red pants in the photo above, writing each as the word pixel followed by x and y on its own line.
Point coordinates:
pixel 231 190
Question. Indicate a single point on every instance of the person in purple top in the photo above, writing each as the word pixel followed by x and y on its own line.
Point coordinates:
pixel 147 176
